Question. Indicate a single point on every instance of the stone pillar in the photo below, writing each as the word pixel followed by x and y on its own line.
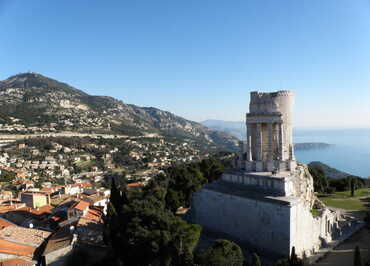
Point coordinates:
pixel 259 163
pixel 259 142
pixel 270 159
pixel 270 154
pixel 292 152
pixel 281 142
pixel 249 142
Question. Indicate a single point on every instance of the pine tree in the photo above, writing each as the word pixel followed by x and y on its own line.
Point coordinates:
pixel 357 257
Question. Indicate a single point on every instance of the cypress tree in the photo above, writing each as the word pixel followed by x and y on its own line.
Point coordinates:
pixel 352 187
pixel 116 198
pixel 357 257
pixel 293 258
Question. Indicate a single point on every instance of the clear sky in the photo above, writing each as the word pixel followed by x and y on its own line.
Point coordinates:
pixel 199 58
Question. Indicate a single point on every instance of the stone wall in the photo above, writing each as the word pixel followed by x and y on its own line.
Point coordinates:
pixel 272 227
pixel 58 256
pixel 261 224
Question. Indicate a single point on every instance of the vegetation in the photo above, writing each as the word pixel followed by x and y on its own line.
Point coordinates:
pixel 323 184
pixel 256 260
pixel 293 260
pixel 315 212
pixel 180 181
pixel 344 193
pixel 357 260
pixel 6 176
pixel 143 229
pixel 344 200
pixel 222 252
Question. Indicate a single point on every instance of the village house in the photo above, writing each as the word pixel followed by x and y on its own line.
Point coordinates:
pixel 21 243
pixel 35 199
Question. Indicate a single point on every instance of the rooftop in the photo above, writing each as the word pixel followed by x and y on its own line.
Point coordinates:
pixel 24 236
pixel 249 192
pixel 81 205
pixel 12 248
pixel 17 262
pixel 5 223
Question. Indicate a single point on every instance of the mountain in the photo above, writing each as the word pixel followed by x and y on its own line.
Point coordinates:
pixel 33 100
pixel 329 171
pixel 236 129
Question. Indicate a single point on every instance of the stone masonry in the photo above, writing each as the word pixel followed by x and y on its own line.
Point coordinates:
pixel 266 201
pixel 269 145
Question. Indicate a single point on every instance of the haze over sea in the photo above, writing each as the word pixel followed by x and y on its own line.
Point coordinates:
pixel 350 152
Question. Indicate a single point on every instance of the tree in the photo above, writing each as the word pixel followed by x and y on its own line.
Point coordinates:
pixel 145 233
pixel 353 186
pixel 222 252
pixel 305 260
pixel 367 219
pixel 282 262
pixel 256 260
pixel 294 260
pixel 320 181
pixel 357 261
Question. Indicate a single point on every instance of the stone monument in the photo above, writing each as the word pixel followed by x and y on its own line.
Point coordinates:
pixel 269 145
pixel 266 201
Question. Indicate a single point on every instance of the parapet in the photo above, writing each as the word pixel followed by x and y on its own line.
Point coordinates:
pixel 271 102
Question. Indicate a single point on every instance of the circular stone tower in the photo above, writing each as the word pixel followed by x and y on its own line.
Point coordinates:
pixel 270 131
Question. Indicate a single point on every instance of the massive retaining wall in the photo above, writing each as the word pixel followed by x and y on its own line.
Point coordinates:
pixel 271 224
pixel 261 224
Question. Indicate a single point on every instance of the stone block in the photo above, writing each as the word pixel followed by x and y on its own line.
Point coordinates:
pixel 249 166
pixel 292 165
pixel 259 166
pixel 270 166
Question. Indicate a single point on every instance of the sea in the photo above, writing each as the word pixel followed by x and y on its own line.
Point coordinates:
pixel 350 150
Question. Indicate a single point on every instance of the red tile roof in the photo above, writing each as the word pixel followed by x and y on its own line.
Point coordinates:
pixel 81 205
pixel 84 185
pixel 46 209
pixel 95 214
pixel 138 184
pixel 4 223
pixel 16 262
pixel 12 248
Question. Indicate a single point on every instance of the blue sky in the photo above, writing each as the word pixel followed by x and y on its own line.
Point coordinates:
pixel 200 58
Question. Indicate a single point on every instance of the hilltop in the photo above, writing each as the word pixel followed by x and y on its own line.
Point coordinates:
pixel 329 171
pixel 32 102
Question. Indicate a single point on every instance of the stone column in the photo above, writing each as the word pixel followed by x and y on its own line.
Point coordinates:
pixel 270 154
pixel 259 142
pixel 292 152
pixel 249 142
pixel 281 142
pixel 270 158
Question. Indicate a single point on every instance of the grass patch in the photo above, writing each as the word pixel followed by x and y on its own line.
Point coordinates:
pixel 343 200
pixel 315 212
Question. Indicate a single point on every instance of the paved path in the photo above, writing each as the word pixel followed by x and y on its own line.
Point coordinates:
pixel 343 254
